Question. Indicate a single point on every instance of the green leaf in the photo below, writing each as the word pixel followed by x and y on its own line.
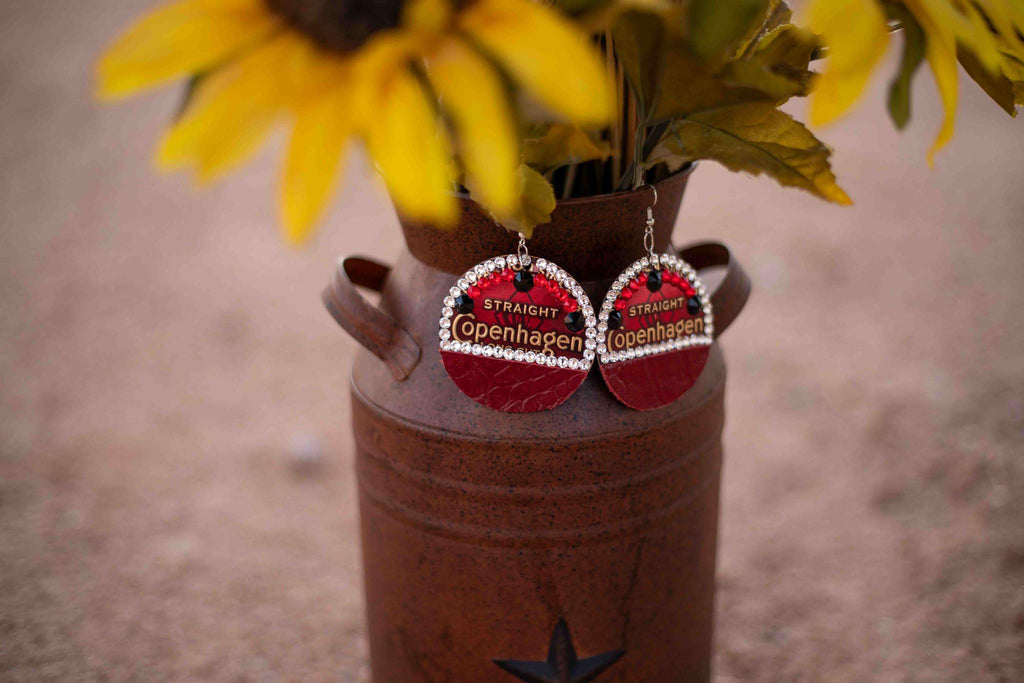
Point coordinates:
pixel 756 138
pixel 688 86
pixel 776 14
pixel 536 202
pixel 719 27
pixel 1013 69
pixel 998 86
pixel 787 51
pixel 562 144
pixel 638 38
pixel 910 60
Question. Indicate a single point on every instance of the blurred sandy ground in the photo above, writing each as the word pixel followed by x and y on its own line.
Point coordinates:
pixel 162 353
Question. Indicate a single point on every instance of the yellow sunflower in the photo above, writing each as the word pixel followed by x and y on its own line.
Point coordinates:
pixel 985 35
pixel 425 84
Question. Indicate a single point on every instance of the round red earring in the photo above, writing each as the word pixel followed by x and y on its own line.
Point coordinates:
pixel 517 334
pixel 654 329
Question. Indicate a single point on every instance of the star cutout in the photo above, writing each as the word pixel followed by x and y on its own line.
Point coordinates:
pixel 562 665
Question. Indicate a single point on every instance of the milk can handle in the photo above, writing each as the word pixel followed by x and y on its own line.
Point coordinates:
pixel 732 292
pixel 368 325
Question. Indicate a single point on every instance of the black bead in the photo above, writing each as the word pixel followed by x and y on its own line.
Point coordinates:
pixel 523 281
pixel 463 303
pixel 654 280
pixel 693 305
pixel 614 320
pixel 575 321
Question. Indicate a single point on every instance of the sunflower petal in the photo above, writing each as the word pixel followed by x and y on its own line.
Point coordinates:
pixel 234 110
pixel 473 94
pixel 411 150
pixel 549 57
pixel 179 39
pixel 940 51
pixel 856 34
pixel 323 127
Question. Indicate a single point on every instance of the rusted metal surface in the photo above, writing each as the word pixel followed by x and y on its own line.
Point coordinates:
pixel 481 530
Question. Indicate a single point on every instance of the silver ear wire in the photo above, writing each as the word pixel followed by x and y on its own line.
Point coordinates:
pixel 649 229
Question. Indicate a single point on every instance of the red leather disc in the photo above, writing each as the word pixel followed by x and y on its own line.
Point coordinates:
pixel 654 333
pixel 517 339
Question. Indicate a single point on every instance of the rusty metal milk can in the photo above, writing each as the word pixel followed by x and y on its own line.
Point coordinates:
pixel 572 544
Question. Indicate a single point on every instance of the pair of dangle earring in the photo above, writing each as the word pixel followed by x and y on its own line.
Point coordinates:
pixel 519 334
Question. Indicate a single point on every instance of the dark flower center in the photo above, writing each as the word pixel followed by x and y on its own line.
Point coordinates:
pixel 341 25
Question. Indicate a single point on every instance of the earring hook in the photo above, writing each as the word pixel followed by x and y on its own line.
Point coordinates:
pixel 649 230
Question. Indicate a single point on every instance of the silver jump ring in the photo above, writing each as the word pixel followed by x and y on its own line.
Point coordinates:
pixel 524 253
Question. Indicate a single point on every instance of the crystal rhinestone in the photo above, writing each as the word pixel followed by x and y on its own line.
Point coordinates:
pixel 654 280
pixel 519 355
pixel 542 264
pixel 590 344
pixel 561 275
pixel 693 305
pixel 464 303
pixel 471 276
pixel 615 319
pixel 489 265
pixel 523 281
pixel 588 355
pixel 591 321
pixel 602 326
pixel 551 361
pixel 643 262
pixel 446 346
pixel 641 352
pixel 631 353
pixel 606 306
pixel 480 270
pixel 574 322
pixel 489 351
pixel 530 356
pixel 447 312
pixel 513 261
pixel 444 334
pixel 563 361
pixel 508 354
pixel 574 364
pixel 588 310
pixel 499 263
pixel 709 328
pixel 449 301
pixel 477 349
pixel 602 349
pixel 591 332
pixel 605 358
pixel 462 284
pixel 445 322
pixel 455 291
